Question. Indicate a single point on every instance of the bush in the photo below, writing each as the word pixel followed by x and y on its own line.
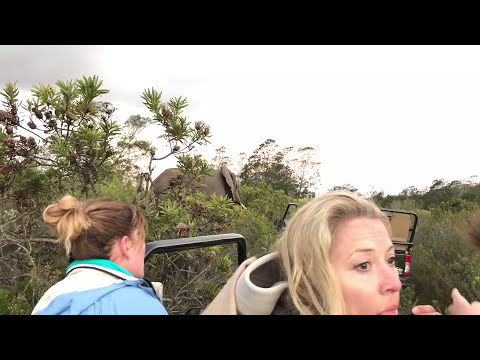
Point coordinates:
pixel 407 301
pixel 192 278
pixel 442 260
pixel 259 232
pixel 117 190
pixel 11 304
pixel 265 200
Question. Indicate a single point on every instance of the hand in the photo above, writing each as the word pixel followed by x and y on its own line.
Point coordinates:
pixel 461 306
pixel 424 310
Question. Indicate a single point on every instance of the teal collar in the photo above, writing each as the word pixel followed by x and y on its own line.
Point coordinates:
pixel 99 262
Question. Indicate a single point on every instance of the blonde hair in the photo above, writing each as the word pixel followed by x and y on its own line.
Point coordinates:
pixel 90 229
pixel 305 246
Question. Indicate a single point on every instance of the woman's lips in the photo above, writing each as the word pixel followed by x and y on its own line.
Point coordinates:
pixel 393 310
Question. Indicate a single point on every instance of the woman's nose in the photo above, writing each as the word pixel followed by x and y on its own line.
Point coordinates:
pixel 390 281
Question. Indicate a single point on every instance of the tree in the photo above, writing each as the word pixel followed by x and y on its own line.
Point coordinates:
pixel 221 159
pixel 242 160
pixel 267 165
pixel 74 130
pixel 292 170
pixel 132 150
pixel 307 171
pixel 16 151
pixel 345 187
pixel 411 191
pixel 181 136
pixel 74 134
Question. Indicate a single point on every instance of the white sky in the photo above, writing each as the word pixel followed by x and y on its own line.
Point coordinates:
pixel 380 117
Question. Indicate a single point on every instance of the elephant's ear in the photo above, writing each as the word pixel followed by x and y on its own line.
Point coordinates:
pixel 227 174
pixel 232 182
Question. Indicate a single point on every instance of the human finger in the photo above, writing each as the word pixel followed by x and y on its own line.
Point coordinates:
pixel 424 310
pixel 460 305
pixel 458 298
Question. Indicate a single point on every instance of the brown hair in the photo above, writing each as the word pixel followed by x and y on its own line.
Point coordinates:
pixel 90 229
pixel 305 247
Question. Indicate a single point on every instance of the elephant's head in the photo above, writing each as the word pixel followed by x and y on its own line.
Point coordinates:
pixel 222 182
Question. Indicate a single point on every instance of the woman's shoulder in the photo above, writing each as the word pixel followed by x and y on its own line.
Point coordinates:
pixel 135 298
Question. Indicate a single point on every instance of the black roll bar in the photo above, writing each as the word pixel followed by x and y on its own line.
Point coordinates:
pixel 171 245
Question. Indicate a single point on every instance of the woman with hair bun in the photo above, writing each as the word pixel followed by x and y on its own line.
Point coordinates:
pixel 105 240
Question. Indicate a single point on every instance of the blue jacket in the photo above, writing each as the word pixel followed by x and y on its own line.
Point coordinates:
pixel 99 287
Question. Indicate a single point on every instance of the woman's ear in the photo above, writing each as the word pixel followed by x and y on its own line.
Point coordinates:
pixel 124 245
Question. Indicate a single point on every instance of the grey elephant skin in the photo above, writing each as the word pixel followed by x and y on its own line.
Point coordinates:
pixel 222 182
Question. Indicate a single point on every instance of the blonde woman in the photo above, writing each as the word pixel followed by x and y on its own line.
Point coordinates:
pixel 335 257
pixel 105 240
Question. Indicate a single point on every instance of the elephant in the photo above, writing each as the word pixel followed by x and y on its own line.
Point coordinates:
pixel 222 182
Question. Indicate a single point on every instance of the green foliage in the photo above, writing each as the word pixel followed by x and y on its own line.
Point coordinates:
pixel 454 195
pixel 292 172
pixel 178 132
pixel 302 201
pixel 16 151
pixel 267 165
pixel 118 190
pixel 20 297
pixel 259 232
pixel 194 167
pixel 220 206
pixel 136 123
pixel 31 187
pixel 224 263
pixel 194 277
pixel 407 301
pixel 456 205
pixel 79 130
pixel 442 260
pixel 11 304
pixel 307 171
pixel 10 93
pixel 264 200
pixel 170 214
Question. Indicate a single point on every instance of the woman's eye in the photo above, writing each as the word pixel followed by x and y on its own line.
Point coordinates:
pixel 392 260
pixel 362 266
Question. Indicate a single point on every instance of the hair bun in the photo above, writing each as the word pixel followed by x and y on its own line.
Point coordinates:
pixel 67 223
pixel 67 203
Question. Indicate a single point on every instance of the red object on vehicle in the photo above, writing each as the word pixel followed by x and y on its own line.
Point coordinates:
pixel 407 264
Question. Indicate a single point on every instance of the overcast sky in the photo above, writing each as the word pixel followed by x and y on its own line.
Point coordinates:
pixel 380 117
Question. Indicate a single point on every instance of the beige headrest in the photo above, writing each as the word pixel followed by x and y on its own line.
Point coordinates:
pixel 400 228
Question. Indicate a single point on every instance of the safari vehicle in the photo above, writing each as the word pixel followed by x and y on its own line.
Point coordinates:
pixel 403 224
pixel 288 214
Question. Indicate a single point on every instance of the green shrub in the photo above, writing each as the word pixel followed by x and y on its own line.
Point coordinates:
pixel 259 232
pixel 11 304
pixel 407 301
pixel 442 260
pixel 116 189
pixel 265 200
